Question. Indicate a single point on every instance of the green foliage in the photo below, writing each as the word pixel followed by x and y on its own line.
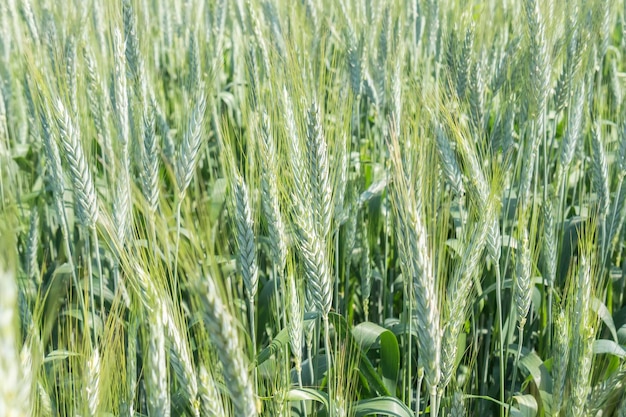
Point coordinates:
pixel 312 208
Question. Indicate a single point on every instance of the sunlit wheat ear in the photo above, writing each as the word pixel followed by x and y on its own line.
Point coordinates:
pixel 295 315
pixel 270 199
pixel 150 160
pixel 211 403
pixel 133 56
pixel 259 40
pixel 223 334
pixel 539 63
pixel 583 334
pixel 605 391
pixel 319 288
pixel 354 57
pixel 182 368
pixel 523 281
pixel 465 61
pixel 122 207
pixel 155 360
pixel 416 263
pixel 549 242
pixel 296 164
pixel 53 158
pixel 120 93
pixel 189 151
pixel 600 171
pixel 194 76
pixel 459 295
pixel 319 175
pixel 84 190
pixel 98 109
pixel 580 368
pixel 449 164
pixel 92 382
pixel 245 237
pixel 573 131
pixel 26 10
pixel 477 92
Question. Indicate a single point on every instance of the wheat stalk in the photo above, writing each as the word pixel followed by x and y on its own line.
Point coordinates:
pixel 366 270
pixel 131 363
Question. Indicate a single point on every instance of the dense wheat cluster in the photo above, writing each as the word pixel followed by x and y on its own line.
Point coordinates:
pixel 239 208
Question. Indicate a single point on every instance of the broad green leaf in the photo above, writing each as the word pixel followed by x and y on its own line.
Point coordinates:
pixel 456 245
pixel 604 314
pixel 532 363
pixel 56 355
pixel 308 394
pixel 281 340
pixel 385 406
pixel 373 190
pixel 369 334
pixel 527 406
pixel 366 368
pixel 609 347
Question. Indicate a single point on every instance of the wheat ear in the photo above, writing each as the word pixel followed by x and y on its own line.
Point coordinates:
pixel 222 332
pixel 416 264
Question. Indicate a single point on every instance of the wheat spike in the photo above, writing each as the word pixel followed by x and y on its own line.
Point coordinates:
pixel 84 190
pixel 245 237
pixel 192 141
pixel 223 334
pixel 319 176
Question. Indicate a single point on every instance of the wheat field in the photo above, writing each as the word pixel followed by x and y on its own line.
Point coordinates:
pixel 329 208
